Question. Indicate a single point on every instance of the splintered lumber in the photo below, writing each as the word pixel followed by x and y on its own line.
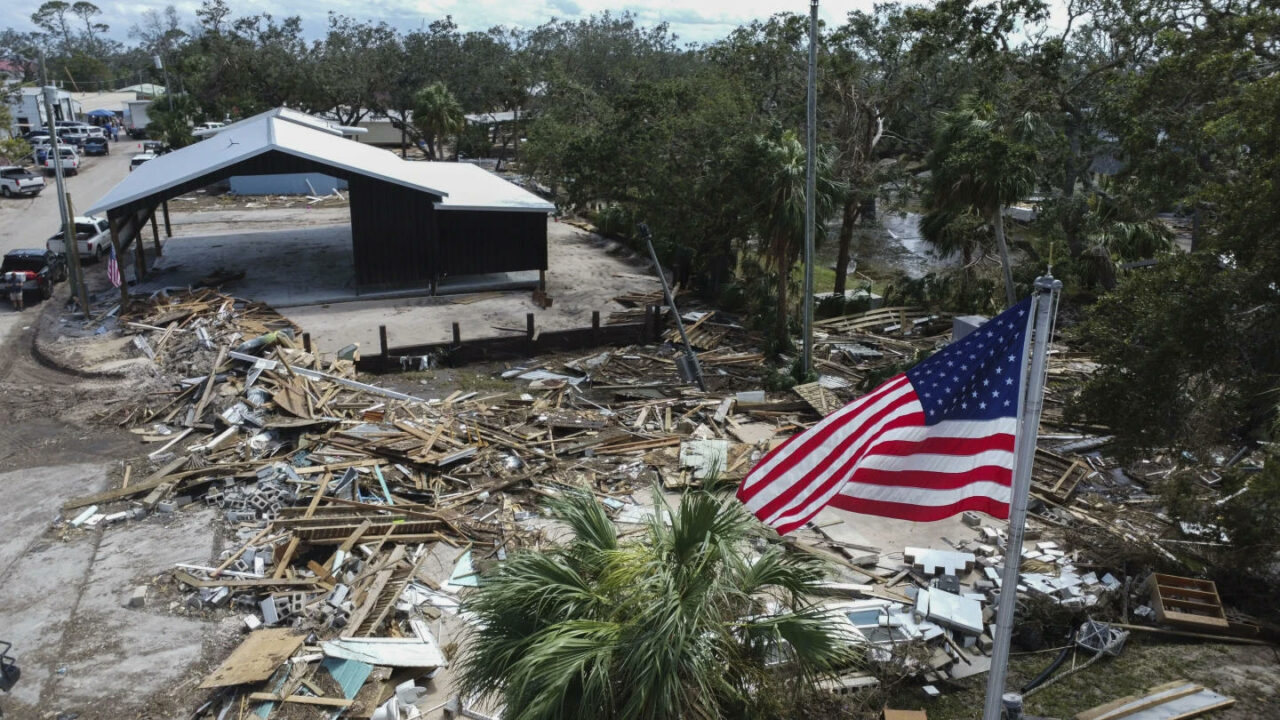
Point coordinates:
pixel 151 482
pixel 822 400
pixel 255 659
pixel 187 578
pixel 1176 700
pixel 375 591
pixel 301 699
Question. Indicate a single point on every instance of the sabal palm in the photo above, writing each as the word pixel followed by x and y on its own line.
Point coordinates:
pixel 779 168
pixel 976 166
pixel 677 625
pixel 437 113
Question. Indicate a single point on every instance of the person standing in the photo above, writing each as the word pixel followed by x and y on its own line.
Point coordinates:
pixel 14 282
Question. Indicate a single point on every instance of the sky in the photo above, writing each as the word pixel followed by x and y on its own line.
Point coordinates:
pixel 690 20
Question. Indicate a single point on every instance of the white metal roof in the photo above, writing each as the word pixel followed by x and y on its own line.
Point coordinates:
pixel 460 185
pixel 272 130
pixel 474 188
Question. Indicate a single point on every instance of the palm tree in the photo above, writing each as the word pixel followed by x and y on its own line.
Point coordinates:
pixel 437 114
pixel 779 169
pixel 976 166
pixel 685 623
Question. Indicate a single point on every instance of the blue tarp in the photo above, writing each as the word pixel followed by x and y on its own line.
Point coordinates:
pixel 100 113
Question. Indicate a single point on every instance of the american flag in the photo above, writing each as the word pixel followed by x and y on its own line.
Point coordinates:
pixel 927 444
pixel 113 268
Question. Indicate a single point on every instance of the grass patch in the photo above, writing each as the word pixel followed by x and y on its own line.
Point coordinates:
pixel 1143 664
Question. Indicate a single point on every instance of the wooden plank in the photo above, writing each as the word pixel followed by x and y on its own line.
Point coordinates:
pixel 208 386
pixel 151 482
pixel 187 578
pixel 255 659
pixel 301 699
pixel 1178 700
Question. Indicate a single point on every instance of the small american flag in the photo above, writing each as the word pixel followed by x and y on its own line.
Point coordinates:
pixel 113 268
pixel 929 443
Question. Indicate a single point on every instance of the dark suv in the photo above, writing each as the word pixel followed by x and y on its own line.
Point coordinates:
pixel 95 145
pixel 42 267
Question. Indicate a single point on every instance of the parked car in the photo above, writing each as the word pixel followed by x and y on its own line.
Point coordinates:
pixel 70 161
pixel 96 145
pixel 72 135
pixel 93 238
pixel 18 181
pixel 210 126
pixel 155 147
pixel 41 267
pixel 139 159
pixel 31 135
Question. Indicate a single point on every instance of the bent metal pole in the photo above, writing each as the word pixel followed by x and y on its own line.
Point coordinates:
pixel 1030 405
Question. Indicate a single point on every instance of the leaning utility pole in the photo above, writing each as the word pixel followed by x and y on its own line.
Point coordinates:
pixel 810 171
pixel 64 205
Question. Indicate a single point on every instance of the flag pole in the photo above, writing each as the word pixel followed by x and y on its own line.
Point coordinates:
pixel 1031 403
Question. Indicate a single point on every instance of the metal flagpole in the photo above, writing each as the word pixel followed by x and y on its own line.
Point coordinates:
pixel 1030 405
pixel 810 164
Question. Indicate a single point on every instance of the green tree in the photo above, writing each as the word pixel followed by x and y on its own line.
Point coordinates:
pixel 344 73
pixel 1190 350
pixel 437 115
pixel 979 167
pixel 87 12
pixel 686 622
pixel 52 18
pixel 172 126
pixel 778 168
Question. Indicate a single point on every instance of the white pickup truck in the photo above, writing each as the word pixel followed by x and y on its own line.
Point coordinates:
pixel 70 161
pixel 16 182
pixel 93 239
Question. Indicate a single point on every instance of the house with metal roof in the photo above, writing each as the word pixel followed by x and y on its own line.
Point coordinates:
pixel 412 222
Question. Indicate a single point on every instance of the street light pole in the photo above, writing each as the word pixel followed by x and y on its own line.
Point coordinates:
pixel 810 172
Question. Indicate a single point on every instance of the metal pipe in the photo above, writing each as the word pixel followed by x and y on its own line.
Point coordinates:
pixel 666 290
pixel 810 182
pixel 1029 406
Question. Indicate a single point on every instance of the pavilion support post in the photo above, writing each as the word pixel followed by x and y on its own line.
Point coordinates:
pixel 168 228
pixel 155 234
pixel 115 246
pixel 542 280
pixel 139 252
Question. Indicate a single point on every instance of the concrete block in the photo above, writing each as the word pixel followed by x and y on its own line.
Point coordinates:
pixel 962 325
pixel 138 598
pixel 972 519
pixel 252 622
pixel 269 614
pixel 167 506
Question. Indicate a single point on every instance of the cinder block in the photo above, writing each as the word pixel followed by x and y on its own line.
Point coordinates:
pixel 138 598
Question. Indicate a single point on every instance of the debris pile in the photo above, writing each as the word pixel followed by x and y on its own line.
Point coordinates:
pixel 344 497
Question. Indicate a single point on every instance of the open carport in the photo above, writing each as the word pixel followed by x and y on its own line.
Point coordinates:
pixel 413 224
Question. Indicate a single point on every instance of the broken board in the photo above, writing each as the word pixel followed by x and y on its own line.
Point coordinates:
pixel 257 657
pixel 1172 701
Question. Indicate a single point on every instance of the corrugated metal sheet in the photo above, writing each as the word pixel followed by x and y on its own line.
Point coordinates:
pixel 392 234
pixel 473 242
